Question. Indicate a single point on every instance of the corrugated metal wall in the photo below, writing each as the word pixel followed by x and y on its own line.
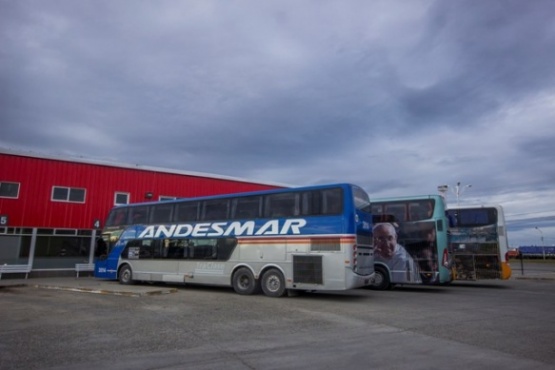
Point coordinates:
pixel 37 176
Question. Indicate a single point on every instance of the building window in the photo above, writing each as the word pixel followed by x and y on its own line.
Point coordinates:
pixel 62 194
pixel 121 198
pixel 9 189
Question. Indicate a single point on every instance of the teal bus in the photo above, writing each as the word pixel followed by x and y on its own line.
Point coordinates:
pixel 410 241
pixel 311 238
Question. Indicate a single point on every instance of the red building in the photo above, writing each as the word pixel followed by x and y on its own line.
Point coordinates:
pixel 52 207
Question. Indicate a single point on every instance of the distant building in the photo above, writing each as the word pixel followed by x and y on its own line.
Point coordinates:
pixel 51 207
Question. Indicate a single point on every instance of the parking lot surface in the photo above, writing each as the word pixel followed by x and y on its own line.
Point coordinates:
pixel 68 323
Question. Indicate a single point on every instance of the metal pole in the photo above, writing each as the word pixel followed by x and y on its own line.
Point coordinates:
pixel 543 244
pixel 459 190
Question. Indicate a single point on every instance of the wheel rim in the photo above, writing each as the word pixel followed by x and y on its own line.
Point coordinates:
pixel 126 275
pixel 273 284
pixel 378 279
pixel 244 282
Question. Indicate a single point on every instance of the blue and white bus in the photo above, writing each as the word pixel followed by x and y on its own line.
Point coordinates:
pixel 311 238
pixel 411 241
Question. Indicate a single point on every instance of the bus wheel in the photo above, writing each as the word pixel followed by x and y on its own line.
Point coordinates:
pixel 125 275
pixel 243 281
pixel 273 283
pixel 381 280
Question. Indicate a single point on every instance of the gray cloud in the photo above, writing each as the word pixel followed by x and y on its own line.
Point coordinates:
pixel 396 96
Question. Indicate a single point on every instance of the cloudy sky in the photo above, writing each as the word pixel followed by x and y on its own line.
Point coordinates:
pixel 397 96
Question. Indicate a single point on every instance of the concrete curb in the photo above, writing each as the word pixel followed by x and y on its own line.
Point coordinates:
pixel 105 291
pixel 535 276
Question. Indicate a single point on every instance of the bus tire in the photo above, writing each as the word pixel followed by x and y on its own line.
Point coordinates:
pixel 243 282
pixel 273 283
pixel 125 275
pixel 381 280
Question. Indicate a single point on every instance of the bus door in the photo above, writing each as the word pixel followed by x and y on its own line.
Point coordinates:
pixel 106 267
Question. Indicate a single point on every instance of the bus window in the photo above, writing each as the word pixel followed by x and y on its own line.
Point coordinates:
pixel 139 249
pixel 421 210
pixel 397 210
pixel 215 209
pixel 161 213
pixel 139 215
pixel 186 212
pixel 310 203
pixel 282 205
pixel 362 200
pixel 118 217
pixel 246 207
pixel 332 201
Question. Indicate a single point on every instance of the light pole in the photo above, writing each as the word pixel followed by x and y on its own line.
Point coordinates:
pixel 543 244
pixel 457 190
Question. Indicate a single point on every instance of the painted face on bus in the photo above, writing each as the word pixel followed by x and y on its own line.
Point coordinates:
pixel 385 240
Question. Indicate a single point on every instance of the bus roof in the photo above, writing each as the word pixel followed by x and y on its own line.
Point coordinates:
pixel 406 197
pixel 475 206
pixel 244 194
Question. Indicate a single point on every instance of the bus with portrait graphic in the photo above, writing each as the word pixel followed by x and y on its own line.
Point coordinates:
pixel 478 242
pixel 410 241
pixel 311 238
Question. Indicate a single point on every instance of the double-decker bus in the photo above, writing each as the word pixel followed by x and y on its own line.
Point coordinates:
pixel 410 241
pixel 310 238
pixel 478 242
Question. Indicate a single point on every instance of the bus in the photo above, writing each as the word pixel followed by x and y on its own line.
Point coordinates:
pixel 310 238
pixel 478 242
pixel 410 241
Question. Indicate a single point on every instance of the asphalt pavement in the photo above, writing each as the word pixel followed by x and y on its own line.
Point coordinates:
pixel 170 326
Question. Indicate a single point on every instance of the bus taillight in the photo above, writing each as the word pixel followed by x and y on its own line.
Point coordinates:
pixel 355 252
pixel 445 260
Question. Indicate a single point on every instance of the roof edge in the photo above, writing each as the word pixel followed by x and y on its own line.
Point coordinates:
pixel 108 163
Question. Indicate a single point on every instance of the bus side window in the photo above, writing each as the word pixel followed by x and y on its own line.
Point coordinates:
pixel 186 212
pixel 139 215
pixel 310 203
pixel 332 201
pixel 225 247
pixel 282 205
pixel 117 217
pixel 161 213
pixel 246 207
pixel 215 209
